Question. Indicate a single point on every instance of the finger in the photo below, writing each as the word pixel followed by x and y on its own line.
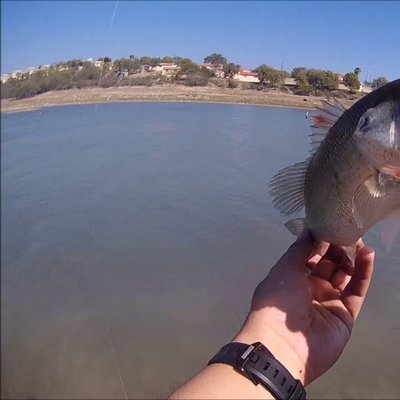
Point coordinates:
pixel 334 260
pixel 354 294
pixel 322 290
pixel 340 279
pixel 324 269
pixel 297 254
pixel 359 245
pixel 318 251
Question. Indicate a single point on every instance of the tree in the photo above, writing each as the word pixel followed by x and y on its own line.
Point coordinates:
pixel 378 82
pixel 187 66
pixel 351 81
pixel 123 64
pixel 299 75
pixel 216 59
pixel 89 75
pixel 231 69
pixel 74 64
pixel 322 80
pixel 152 61
pixel 270 77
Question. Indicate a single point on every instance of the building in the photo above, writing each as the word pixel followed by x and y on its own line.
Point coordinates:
pixel 166 68
pixel 363 88
pixel 31 70
pixel 245 75
pixel 290 83
pixel 5 78
pixel 16 74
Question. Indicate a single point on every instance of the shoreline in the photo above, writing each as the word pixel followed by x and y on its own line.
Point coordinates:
pixel 164 93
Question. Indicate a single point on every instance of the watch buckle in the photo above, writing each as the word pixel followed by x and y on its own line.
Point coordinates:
pixel 244 359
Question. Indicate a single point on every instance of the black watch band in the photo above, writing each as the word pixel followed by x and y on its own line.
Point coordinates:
pixel 259 365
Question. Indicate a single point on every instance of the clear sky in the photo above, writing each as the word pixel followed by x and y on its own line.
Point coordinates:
pixel 336 35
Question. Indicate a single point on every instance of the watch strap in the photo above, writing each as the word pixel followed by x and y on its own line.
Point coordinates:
pixel 259 365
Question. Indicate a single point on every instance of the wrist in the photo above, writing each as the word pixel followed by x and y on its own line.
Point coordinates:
pixel 278 346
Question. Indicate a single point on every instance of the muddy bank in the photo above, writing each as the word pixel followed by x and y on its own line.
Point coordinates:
pixel 162 93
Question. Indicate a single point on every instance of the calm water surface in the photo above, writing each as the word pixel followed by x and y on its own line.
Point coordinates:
pixel 133 236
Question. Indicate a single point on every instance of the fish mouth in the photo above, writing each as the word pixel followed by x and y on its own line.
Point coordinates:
pixel 392 171
pixel 383 159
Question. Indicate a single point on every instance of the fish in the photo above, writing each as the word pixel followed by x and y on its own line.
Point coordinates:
pixel 351 180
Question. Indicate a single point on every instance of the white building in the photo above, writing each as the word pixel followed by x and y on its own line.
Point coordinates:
pixel 5 78
pixel 166 68
pixel 245 75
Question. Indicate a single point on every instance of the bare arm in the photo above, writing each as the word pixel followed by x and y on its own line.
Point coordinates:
pixel 304 317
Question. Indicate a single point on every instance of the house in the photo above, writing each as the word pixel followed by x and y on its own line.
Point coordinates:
pixel 363 88
pixel 245 75
pixel 16 74
pixel 31 70
pixel 167 68
pixel 5 78
pixel 290 82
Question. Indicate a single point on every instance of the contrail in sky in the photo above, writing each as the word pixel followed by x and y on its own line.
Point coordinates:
pixel 108 38
pixel 113 16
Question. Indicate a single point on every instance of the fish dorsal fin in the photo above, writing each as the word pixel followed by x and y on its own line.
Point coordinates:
pixel 390 228
pixel 296 226
pixel 287 188
pixel 365 197
pixel 323 120
pixel 335 109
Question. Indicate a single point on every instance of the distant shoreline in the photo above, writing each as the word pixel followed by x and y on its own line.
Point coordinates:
pixel 162 93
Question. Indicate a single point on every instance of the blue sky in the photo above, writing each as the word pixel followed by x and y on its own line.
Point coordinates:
pixel 328 35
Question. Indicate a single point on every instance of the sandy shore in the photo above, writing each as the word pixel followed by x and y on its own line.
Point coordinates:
pixel 164 93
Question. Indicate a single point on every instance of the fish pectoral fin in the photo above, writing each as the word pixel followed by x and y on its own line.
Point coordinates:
pixel 287 188
pixel 364 196
pixel 296 226
pixel 390 229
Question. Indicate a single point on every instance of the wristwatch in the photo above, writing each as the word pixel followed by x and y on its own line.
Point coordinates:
pixel 259 365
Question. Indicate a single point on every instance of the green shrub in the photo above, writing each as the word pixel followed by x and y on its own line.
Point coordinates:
pixel 141 81
pixel 197 79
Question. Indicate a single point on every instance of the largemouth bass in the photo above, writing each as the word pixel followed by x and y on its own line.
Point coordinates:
pixel 351 181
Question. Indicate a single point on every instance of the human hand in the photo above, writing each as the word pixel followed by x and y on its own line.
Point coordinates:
pixel 305 316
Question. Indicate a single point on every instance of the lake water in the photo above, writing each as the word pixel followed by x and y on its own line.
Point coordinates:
pixel 133 236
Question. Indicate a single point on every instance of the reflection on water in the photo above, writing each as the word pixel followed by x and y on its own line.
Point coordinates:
pixel 133 236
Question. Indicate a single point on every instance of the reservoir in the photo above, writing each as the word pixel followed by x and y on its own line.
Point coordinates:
pixel 133 236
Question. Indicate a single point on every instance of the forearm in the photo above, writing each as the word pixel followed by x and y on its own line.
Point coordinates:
pixel 224 382
pixel 220 381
